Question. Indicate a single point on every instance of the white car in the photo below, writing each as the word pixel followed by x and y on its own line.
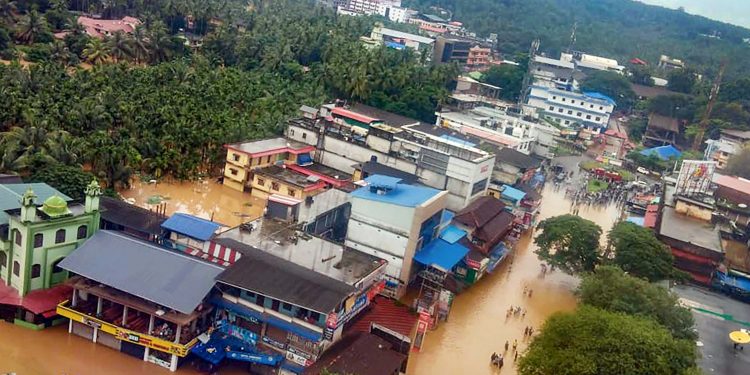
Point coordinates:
pixel 642 170
pixel 640 184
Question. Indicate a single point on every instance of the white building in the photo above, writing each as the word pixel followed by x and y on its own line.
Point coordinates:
pixel 396 13
pixel 393 221
pixel 396 39
pixel 494 126
pixel 367 7
pixel 553 73
pixel 570 109
pixel 585 62
pixel 443 159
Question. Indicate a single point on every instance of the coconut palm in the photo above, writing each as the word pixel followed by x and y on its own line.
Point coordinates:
pixel 31 27
pixel 96 52
pixel 139 44
pixel 7 11
pixel 28 147
pixel 60 53
pixel 119 46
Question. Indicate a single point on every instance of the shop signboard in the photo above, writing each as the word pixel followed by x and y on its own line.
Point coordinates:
pixel 695 177
pixel 298 359
pixel 328 334
pixel 152 342
pixel 92 323
pixel 274 343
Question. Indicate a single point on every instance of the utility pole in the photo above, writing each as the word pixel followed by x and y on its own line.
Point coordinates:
pixel 528 77
pixel 709 108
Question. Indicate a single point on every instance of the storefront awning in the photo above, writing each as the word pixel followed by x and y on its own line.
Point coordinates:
pixel 43 301
pixel 441 254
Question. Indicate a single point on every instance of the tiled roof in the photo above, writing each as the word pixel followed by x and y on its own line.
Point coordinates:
pixel 479 212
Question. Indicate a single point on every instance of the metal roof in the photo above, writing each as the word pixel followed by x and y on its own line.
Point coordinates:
pixel 512 193
pixel 131 216
pixel 191 226
pixel 401 195
pixel 403 35
pixel 143 269
pixel 10 196
pixel 441 254
pixel 269 275
pixel 689 230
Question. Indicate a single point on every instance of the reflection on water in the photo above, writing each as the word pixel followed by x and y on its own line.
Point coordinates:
pixel 207 199
pixel 477 326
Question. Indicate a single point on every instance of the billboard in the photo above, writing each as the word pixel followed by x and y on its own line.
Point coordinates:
pixel 695 177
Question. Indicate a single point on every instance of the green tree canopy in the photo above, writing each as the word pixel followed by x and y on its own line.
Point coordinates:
pixel 739 165
pixel 592 341
pixel 611 289
pixel 682 80
pixel 612 84
pixel 71 181
pixel 508 77
pixel 638 252
pixel 569 242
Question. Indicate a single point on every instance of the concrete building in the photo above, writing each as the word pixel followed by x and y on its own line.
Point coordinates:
pixel 400 40
pixel 454 48
pixel 40 227
pixel 668 63
pixel 494 126
pixel 729 144
pixel 570 109
pixel 442 159
pixel 513 167
pixel 245 157
pixel 587 63
pixel 554 73
pixel 479 58
pixel 393 221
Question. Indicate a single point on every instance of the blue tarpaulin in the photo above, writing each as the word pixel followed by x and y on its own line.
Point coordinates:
pixel 394 45
pixel 663 152
pixel 452 234
pixel 191 226
pixel 441 254
pixel 512 193
pixel 637 220
pixel 735 282
pixel 304 160
pixel 497 254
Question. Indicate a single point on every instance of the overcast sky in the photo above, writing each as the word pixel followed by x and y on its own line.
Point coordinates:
pixel 732 11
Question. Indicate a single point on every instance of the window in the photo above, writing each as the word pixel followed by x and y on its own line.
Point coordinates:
pixel 579 114
pixel 598 119
pixel 261 181
pixel 567 122
pixel 570 112
pixel 291 132
pixel 560 110
pixel 233 171
pixel 56 266
pixel 16 268
pixel 60 236
pixel 83 231
pixel 314 315
pixel 479 186
pixel 275 186
pixel 18 237
pixel 554 97
pixel 268 159
pixel 591 105
pixel 572 101
pixel 236 157
pixel 588 117
pixel 275 305
pixel 36 271
pixel 601 108
pixel 38 240
pixel 563 99
pixel 261 300
pixel 551 108
pixel 286 306
pixel 3 259
pixel 304 135
pixel 291 192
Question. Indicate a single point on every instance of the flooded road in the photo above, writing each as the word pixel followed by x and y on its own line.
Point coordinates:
pixel 477 325
pixel 207 199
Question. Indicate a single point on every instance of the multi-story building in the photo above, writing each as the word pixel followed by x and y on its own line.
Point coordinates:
pixel 554 73
pixel 400 40
pixel 479 57
pixel 393 221
pixel 138 298
pixel 450 48
pixel 40 227
pixel 245 157
pixel 729 144
pixel 569 109
pixel 396 13
pixel 493 126
pixel 442 159
pixel 668 63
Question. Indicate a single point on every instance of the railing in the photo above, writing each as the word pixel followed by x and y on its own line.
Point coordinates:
pixel 124 334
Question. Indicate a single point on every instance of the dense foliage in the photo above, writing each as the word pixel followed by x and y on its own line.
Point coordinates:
pixel 637 251
pixel 611 84
pixel 151 104
pixel 622 29
pixel 71 181
pixel 611 289
pixel 739 165
pixel 591 341
pixel 569 242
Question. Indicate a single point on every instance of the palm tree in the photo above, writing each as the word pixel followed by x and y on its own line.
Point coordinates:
pixel 60 53
pixel 31 27
pixel 119 46
pixel 159 44
pixel 139 44
pixel 96 52
pixel 7 11
pixel 27 147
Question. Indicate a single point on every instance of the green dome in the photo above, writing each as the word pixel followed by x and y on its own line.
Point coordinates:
pixel 55 206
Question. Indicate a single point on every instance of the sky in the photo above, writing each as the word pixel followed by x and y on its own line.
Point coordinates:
pixel 731 11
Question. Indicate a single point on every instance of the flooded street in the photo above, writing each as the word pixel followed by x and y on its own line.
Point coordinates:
pixel 477 326
pixel 207 199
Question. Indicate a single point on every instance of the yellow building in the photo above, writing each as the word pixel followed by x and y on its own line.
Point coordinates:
pixel 246 157
pixel 285 181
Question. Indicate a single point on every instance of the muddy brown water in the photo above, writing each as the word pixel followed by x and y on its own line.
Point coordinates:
pixel 477 325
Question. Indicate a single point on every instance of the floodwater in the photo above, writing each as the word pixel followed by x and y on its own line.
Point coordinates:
pixel 206 198
pixel 477 325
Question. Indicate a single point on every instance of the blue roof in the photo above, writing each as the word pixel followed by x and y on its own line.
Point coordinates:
pixel 191 226
pixel 441 254
pixel 512 193
pixel 10 196
pixel 663 152
pixel 401 194
pixel 598 95
pixel 637 220
pixel 447 216
pixel 452 234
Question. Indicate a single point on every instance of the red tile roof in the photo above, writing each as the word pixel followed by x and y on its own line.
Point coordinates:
pixel 38 301
pixel 99 28
pixel 353 115
pixel 735 183
pixel 480 212
pixel 386 313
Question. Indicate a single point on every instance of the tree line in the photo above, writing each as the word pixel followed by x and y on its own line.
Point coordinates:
pixel 625 323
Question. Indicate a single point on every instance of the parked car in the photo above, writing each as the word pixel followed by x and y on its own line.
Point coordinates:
pixel 642 170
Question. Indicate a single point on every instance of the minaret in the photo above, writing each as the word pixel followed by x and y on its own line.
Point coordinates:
pixel 28 206
pixel 93 192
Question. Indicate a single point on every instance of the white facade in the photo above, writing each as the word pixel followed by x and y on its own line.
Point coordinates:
pixel 395 13
pixel 584 61
pixel 494 126
pixel 571 109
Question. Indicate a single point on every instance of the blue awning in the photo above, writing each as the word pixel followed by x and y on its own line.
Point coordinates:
pixel 441 254
pixel 237 308
pixel 452 234
pixel 191 226
pixel 512 193
pixel 276 322
pixel 304 160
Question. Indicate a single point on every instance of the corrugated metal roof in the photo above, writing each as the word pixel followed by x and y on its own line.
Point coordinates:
pixel 143 269
pixel 10 196
pixel 441 254
pixel 191 226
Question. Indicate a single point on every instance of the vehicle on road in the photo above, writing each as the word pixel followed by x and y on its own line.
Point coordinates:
pixel 642 170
